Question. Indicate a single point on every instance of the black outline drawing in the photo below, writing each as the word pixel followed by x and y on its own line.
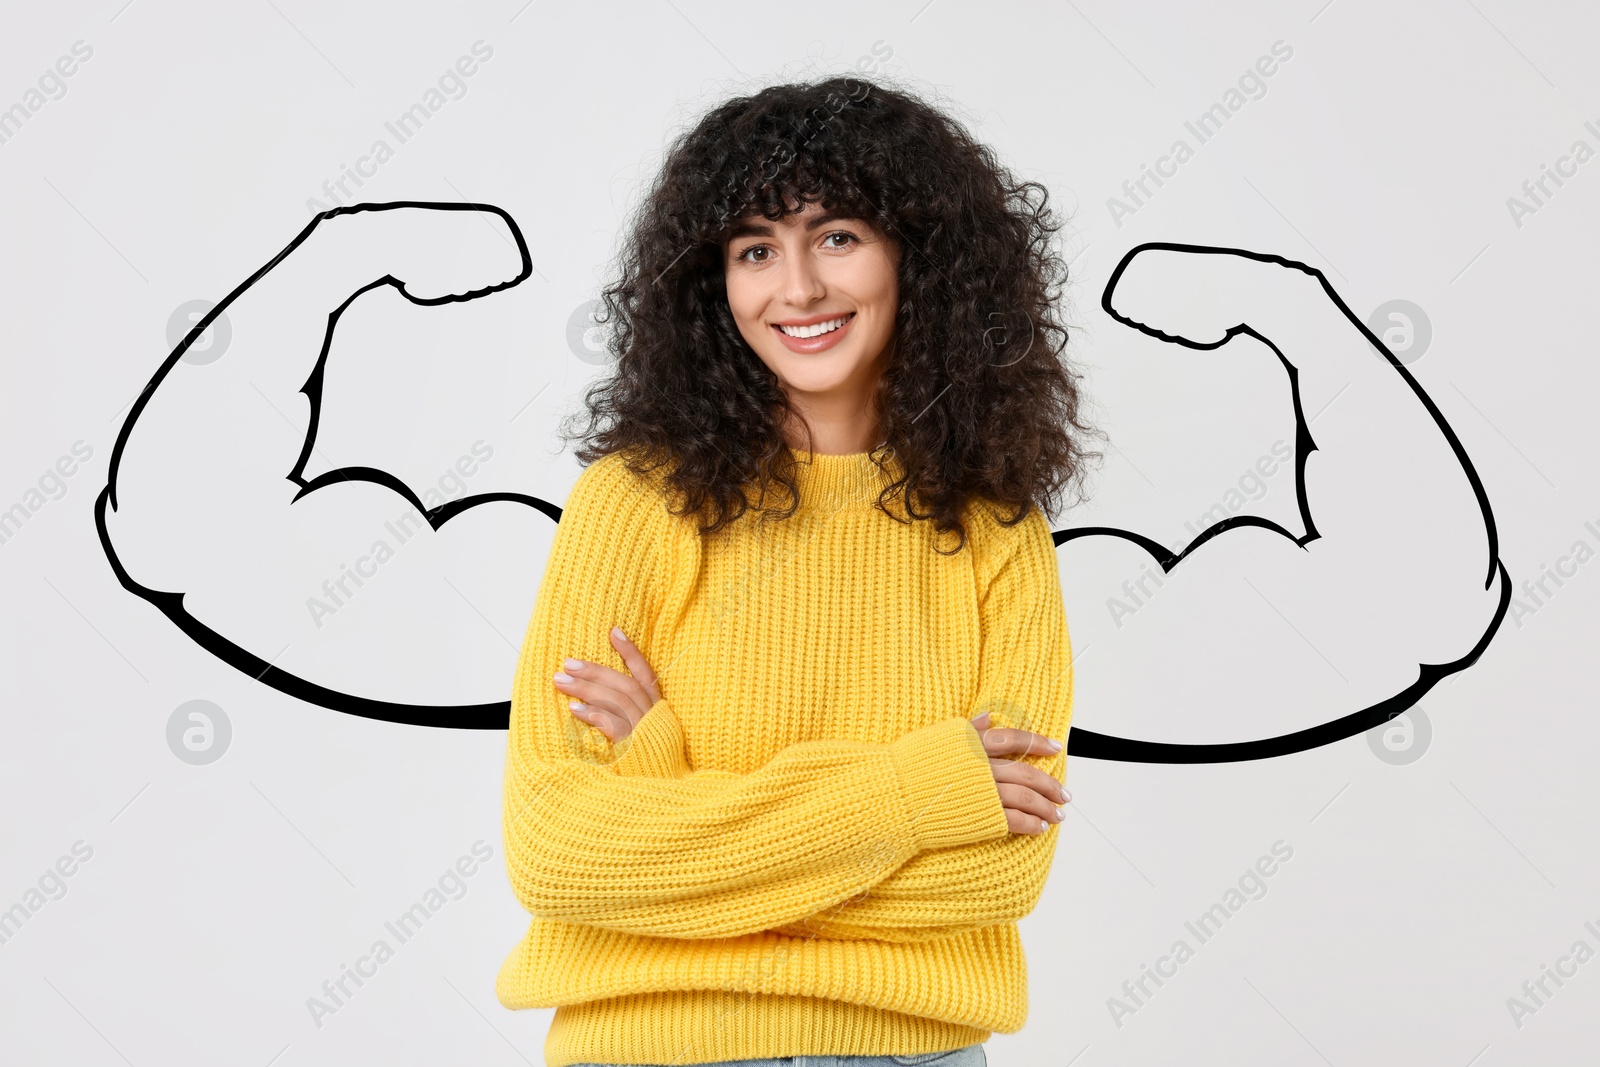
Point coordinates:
pixel 1092 745
pixel 491 716
pixel 495 716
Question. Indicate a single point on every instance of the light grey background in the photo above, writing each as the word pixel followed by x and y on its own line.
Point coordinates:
pixel 220 896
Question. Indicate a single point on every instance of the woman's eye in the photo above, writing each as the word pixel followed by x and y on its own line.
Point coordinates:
pixel 749 253
pixel 847 236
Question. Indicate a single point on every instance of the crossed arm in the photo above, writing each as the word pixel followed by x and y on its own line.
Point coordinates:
pixel 842 839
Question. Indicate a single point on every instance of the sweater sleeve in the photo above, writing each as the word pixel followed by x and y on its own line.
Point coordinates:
pixel 1025 681
pixel 592 836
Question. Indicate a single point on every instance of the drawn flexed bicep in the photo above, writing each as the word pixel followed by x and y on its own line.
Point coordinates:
pixel 208 513
pixel 1256 639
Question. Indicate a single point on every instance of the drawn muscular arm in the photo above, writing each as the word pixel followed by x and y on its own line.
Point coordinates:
pixel 1258 631
pixel 209 515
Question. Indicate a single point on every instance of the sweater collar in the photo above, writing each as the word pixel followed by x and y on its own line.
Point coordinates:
pixel 829 481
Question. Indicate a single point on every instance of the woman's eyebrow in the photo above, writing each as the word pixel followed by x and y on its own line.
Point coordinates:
pixel 749 229
pixel 831 216
pixel 752 229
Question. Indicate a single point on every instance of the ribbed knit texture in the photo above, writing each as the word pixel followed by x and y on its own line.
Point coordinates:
pixel 800 849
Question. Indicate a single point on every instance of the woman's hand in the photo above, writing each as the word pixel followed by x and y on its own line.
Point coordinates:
pixel 1028 794
pixel 608 700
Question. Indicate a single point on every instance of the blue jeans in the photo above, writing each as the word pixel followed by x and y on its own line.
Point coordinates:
pixel 970 1056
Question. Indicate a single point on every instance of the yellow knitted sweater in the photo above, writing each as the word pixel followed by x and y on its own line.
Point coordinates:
pixel 800 849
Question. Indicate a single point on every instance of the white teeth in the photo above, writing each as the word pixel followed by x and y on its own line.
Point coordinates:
pixel 815 330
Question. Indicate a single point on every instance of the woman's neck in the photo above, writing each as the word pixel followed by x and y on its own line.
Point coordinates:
pixel 842 439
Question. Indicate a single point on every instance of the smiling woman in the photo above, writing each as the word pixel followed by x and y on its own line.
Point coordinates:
pixel 817 282
pixel 782 784
pixel 805 202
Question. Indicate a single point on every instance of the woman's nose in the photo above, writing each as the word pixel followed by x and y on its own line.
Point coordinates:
pixel 802 285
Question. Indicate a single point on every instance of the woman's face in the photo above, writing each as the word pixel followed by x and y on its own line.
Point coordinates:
pixel 811 271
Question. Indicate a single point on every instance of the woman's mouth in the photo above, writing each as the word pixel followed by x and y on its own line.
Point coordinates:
pixel 815 337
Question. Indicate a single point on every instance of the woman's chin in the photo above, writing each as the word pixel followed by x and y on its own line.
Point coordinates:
pixel 814 386
pixel 817 374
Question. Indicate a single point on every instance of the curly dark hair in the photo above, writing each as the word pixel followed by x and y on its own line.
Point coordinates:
pixel 977 400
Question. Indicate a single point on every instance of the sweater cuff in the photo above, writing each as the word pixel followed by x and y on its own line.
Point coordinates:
pixel 655 747
pixel 949 787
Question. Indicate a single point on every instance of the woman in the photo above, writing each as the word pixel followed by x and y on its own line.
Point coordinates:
pixel 781 780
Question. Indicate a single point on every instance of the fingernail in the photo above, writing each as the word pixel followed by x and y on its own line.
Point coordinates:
pixel 616 631
pixel 1055 746
pixel 572 664
pixel 578 705
pixel 1066 797
pixel 563 677
pixel 1044 827
pixel 1061 813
